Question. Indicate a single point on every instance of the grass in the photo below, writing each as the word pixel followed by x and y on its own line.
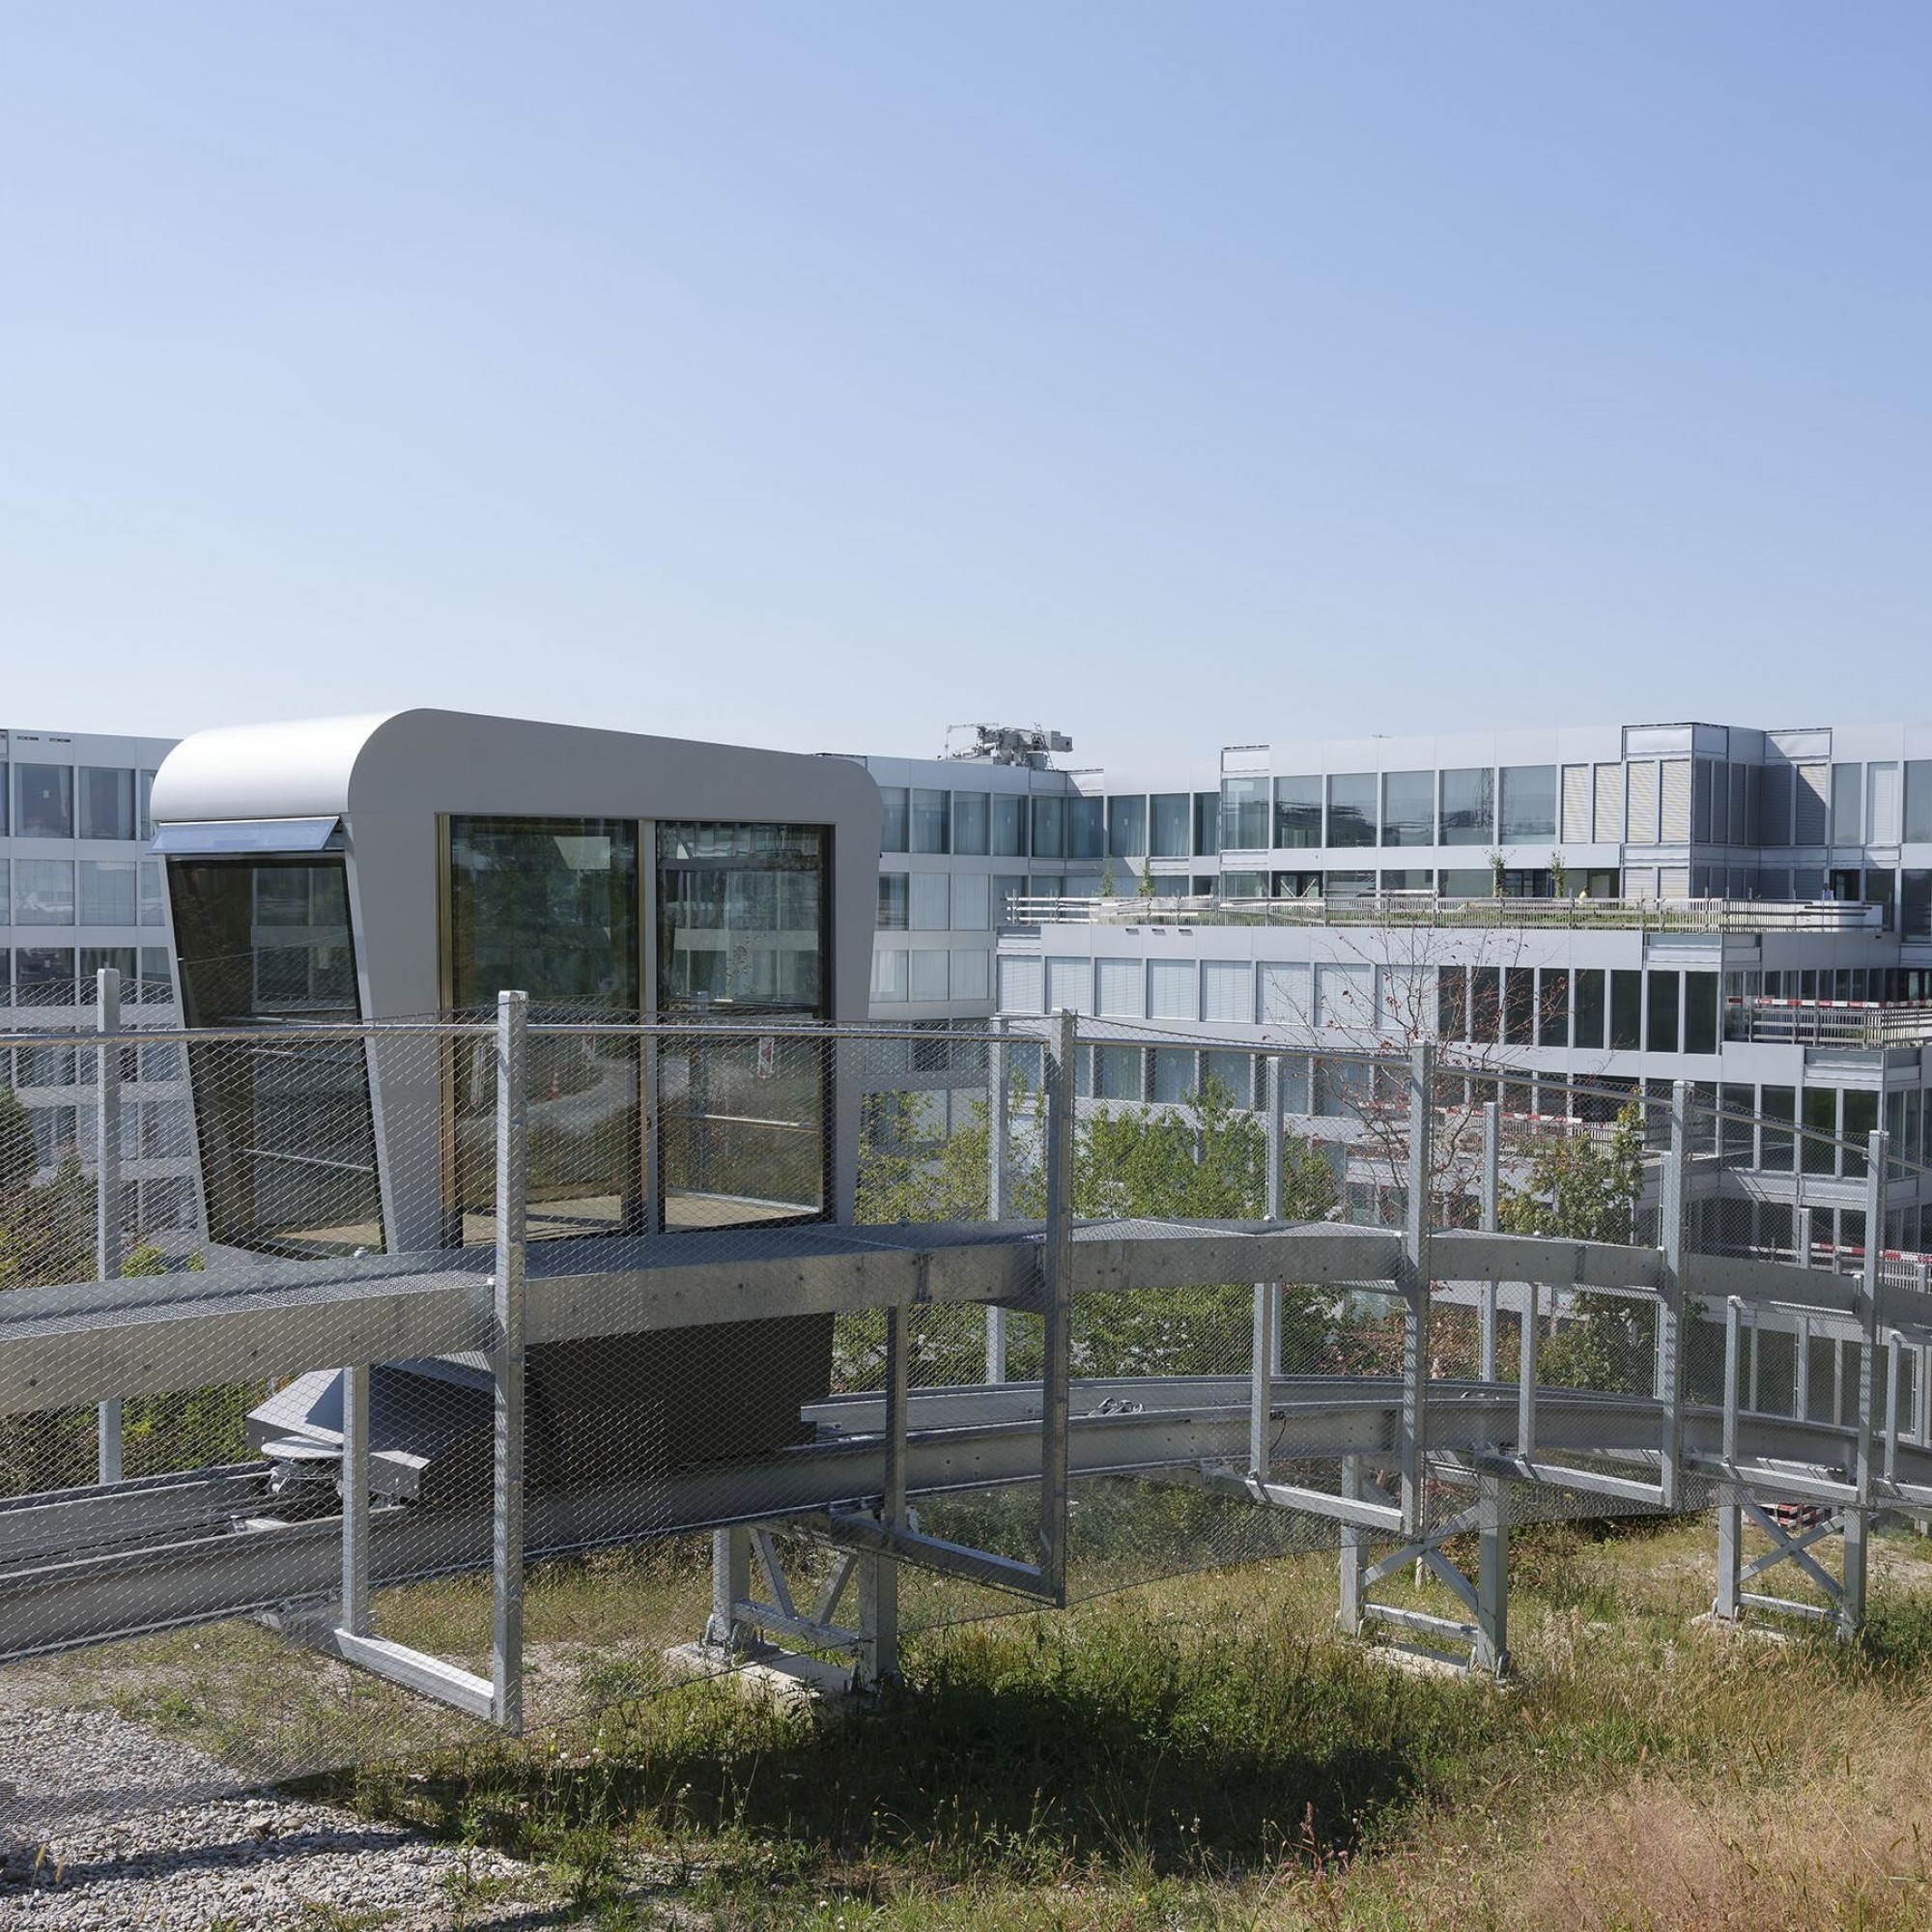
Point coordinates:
pixel 1205 1753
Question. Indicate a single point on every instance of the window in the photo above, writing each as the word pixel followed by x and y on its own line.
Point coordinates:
pixel 1640 808
pixel 1352 809
pixel 1170 989
pixel 1244 815
pixel 1413 880
pixel 43 892
pixel 1529 803
pixel 969 823
pixel 1848 818
pixel 1232 1072
pixel 1069 985
pixel 1086 827
pixel 143 793
pixel 1552 1021
pixel 1915 905
pixel 1117 1073
pixel 1608 813
pixel 1664 995
pixel 1700 1012
pixel 1674 802
pixel 1009 826
pixel 45 801
pixel 889 975
pixel 932 909
pixel 1919 802
pixel 1172 835
pixel 929 822
pixel 1486 995
pixel 4 794
pixel 1519 1005
pixel 1882 805
pixel 1022 985
pixel 1576 827
pixel 896 827
pixel 1467 885
pixel 1626 1011
pixel 158 980
pixel 1243 885
pixel 1049 828
pixel 1819 1152
pixel 1227 991
pixel 1297 812
pixel 1206 823
pixel 1811 790
pixel 106 803
pixel 1345 995
pixel 969 974
pixel 1409 808
pixel 1776 1103
pixel 6 892
pixel 929 979
pixel 1127 828
pixel 1173 1076
pixel 1007 887
pixel 108 892
pixel 153 911
pixel 1452 1001
pixel 1468 807
pixel 1285 995
pixel 1341 886
pixel 971 893
pixel 895 901
pixel 1117 988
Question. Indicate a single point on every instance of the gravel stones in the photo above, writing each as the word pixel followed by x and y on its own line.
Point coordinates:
pixel 108 1825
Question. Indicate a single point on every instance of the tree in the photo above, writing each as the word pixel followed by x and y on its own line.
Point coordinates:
pixel 1107 879
pixel 19 1155
pixel 1586 1188
pixel 1144 884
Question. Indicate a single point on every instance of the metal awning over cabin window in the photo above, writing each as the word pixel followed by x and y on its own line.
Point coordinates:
pixel 238 836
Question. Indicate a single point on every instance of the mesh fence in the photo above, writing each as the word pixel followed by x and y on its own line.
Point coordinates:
pixel 714 1221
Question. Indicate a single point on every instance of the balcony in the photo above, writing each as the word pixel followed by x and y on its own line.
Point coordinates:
pixel 1431 909
pixel 1865 1023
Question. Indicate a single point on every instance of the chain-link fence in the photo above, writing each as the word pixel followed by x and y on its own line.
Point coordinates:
pixel 502 1367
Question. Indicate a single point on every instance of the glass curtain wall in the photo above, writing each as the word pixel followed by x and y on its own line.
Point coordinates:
pixel 287 1151
pixel 742 956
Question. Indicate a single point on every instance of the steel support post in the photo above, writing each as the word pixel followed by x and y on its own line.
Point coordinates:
pixel 1415 1335
pixel 730 1586
pixel 1673 1215
pixel 107 1249
pixel 1525 1374
pixel 1491 1652
pixel 1056 1260
pixel 355 1500
pixel 1894 1362
pixel 879 1575
pixel 1857 1519
pixel 1354 1553
pixel 1800 1372
pixel 1267 1352
pixel 1730 1512
pixel 998 1132
pixel 1492 1139
pixel 506 1361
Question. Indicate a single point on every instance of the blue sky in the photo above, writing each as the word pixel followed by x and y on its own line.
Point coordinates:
pixel 819 375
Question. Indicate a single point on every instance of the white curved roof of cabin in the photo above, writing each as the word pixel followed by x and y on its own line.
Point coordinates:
pixel 435 761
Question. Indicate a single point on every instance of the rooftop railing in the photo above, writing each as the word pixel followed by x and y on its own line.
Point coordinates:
pixel 1431 909
pixel 1864 1023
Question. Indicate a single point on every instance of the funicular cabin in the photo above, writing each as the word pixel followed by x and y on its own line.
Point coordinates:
pixel 332 873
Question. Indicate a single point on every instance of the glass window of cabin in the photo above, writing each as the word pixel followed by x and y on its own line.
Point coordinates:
pixel 1528 802
pixel 1244 815
pixel 1848 818
pixel 287 1151
pixel 1519 1005
pixel 1552 1019
pixel 1626 1011
pixel 1297 812
pixel 1590 1015
pixel 742 936
pixel 1170 834
pixel 1206 823
pixel 969 823
pixel 1086 827
pixel 1127 828
pixel 1819 1152
pixel 1859 1124
pixel 44 801
pixel 1468 807
pixel 1049 828
pixel 1664 995
pixel 1776 1103
pixel 895 901
pixel 1352 809
pixel 106 803
pixel 1700 1012
pixel 929 826
pixel 1409 808
pixel 896 825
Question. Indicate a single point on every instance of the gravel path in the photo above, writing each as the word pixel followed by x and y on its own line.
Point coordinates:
pixel 108 1825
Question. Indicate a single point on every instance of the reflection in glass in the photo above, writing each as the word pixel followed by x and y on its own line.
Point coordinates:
pixel 1468 807
pixel 1352 809
pixel 1529 801
pixel 1409 808
pixel 1172 836
pixel 45 801
pixel 1297 812
pixel 742 937
pixel 287 1152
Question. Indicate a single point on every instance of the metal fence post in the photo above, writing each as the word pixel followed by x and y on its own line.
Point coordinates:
pixel 108 1247
pixel 355 1500
pixel 1857 1519
pixel 1058 1270
pixel 999 1132
pixel 1492 1114
pixel 1669 1370
pixel 1354 1553
pixel 1415 1334
pixel 1492 1574
pixel 1267 1355
pixel 506 1359
pixel 1730 1511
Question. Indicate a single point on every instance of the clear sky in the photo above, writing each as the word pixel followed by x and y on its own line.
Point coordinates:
pixel 820 375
